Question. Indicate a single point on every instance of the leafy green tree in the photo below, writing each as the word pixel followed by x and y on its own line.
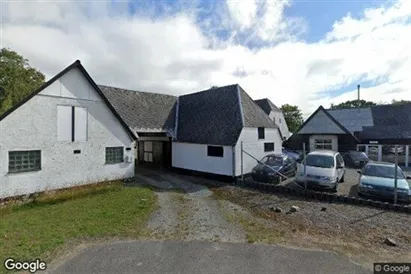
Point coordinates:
pixel 17 79
pixel 354 104
pixel 293 117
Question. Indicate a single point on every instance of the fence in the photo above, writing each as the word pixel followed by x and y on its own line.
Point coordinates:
pixel 254 161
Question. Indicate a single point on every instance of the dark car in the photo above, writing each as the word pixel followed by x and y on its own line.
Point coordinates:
pixel 298 157
pixel 377 180
pixel 355 159
pixel 271 165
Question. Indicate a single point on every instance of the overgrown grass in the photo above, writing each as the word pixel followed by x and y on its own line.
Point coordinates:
pixel 36 229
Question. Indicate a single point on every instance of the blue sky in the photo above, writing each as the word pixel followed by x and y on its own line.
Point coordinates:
pixel 302 52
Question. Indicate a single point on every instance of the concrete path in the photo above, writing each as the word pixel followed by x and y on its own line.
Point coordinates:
pixel 204 257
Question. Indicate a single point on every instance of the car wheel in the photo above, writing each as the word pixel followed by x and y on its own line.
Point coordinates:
pixel 335 189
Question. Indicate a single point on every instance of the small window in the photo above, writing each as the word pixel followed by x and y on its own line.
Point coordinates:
pixel 114 155
pixel 268 147
pixel 261 133
pixel 323 144
pixel 214 151
pixel 24 161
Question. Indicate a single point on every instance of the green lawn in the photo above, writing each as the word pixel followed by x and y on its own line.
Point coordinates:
pixel 37 229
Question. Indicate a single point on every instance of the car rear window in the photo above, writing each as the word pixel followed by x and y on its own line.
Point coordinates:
pixel 358 155
pixel 324 161
pixel 382 171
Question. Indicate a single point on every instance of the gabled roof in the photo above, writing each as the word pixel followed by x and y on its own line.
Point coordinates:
pixel 267 105
pixel 353 119
pixel 321 108
pixel 211 116
pixel 143 111
pixel 77 65
pixel 390 122
pixel 215 116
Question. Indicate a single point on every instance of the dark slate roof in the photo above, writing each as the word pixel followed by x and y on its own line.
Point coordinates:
pixel 254 116
pixel 353 119
pixel 390 122
pixel 216 116
pixel 267 105
pixel 143 110
pixel 210 117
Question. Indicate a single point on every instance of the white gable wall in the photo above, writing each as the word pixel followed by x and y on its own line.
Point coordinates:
pixel 255 147
pixel 321 124
pixel 33 126
pixel 278 118
pixel 194 157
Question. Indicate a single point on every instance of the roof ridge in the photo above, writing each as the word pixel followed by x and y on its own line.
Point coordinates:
pixel 240 104
pixel 137 91
pixel 208 90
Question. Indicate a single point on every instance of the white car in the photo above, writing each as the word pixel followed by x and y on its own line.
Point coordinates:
pixel 322 169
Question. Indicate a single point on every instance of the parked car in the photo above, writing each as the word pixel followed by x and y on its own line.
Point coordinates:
pixel 298 157
pixel 271 165
pixel 377 180
pixel 355 159
pixel 322 169
pixel 373 150
pixel 400 150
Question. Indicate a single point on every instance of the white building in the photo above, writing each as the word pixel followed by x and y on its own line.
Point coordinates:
pixel 276 115
pixel 64 134
pixel 202 131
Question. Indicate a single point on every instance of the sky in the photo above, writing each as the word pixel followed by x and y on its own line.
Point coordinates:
pixel 303 52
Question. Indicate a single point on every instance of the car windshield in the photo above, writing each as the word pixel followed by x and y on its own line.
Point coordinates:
pixel 358 155
pixel 273 160
pixel 324 161
pixel 382 171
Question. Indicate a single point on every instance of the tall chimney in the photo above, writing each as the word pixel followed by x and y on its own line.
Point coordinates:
pixel 358 93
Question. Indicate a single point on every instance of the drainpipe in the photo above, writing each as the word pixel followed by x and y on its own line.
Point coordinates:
pixel 358 97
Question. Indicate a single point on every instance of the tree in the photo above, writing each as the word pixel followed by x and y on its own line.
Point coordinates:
pixel 354 104
pixel 17 79
pixel 400 102
pixel 293 117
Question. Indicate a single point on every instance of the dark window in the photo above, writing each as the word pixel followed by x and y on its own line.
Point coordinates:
pixel 214 151
pixel 261 133
pixel 24 161
pixel 323 161
pixel 114 155
pixel 77 151
pixel 268 147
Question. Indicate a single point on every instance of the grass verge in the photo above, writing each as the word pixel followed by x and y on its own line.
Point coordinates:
pixel 37 229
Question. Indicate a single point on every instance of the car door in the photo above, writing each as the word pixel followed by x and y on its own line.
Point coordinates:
pixel 340 163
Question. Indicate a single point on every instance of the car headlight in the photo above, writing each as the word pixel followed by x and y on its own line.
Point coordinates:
pixel 403 190
pixel 361 185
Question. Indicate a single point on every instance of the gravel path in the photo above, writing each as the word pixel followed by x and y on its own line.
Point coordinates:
pixel 188 211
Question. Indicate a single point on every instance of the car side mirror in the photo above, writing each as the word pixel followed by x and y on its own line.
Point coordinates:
pixel 359 171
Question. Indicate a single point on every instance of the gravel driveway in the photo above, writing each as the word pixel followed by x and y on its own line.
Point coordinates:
pixel 187 211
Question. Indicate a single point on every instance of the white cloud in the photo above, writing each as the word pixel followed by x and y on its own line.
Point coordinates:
pixel 175 54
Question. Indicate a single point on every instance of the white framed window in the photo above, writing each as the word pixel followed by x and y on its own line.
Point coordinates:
pixel 323 143
pixel 148 151
pixel 215 151
pixel 24 161
pixel 114 155
pixel 71 124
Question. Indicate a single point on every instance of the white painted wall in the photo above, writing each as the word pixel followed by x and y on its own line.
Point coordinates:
pixel 255 147
pixel 194 157
pixel 278 118
pixel 334 141
pixel 321 124
pixel 33 126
